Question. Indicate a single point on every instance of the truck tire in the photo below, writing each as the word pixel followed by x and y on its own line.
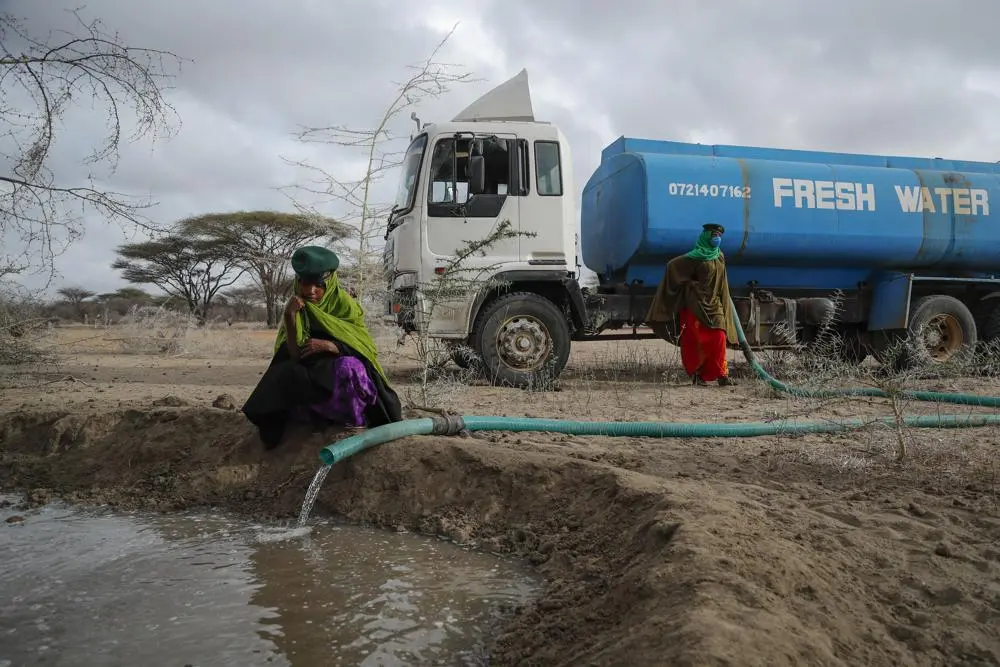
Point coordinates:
pixel 991 328
pixel 941 329
pixel 463 356
pixel 521 338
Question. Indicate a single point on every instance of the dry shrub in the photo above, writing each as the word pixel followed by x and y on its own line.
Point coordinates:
pixel 159 331
pixel 23 328
pixel 434 381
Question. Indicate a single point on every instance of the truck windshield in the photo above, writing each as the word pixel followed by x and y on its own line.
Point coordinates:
pixel 410 172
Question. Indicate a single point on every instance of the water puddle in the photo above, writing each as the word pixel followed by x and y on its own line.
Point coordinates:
pixel 88 588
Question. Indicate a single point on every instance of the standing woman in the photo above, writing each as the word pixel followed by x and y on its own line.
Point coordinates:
pixel 325 362
pixel 695 287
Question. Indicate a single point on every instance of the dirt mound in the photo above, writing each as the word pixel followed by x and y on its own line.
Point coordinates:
pixel 714 560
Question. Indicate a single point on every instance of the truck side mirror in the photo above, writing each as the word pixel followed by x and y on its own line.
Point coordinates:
pixel 477 175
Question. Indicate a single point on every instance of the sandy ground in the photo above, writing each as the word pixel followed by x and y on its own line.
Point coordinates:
pixel 811 550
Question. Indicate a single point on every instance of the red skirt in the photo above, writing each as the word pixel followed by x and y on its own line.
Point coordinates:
pixel 703 349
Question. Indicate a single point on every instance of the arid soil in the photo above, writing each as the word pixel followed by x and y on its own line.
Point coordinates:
pixel 813 550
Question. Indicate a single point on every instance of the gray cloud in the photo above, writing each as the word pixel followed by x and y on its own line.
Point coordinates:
pixel 887 76
pixel 896 76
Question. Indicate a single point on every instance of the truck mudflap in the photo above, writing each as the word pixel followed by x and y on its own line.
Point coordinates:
pixel 890 301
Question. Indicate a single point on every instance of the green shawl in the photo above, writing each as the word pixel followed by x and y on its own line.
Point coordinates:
pixel 340 316
pixel 703 249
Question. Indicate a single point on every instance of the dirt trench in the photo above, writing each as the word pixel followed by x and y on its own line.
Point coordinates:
pixel 642 567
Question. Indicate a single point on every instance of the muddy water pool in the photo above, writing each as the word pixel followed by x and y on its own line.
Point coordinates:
pixel 93 587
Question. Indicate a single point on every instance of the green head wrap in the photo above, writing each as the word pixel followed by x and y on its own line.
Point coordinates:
pixel 704 250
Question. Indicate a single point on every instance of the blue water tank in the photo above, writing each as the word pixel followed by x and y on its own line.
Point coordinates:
pixel 794 219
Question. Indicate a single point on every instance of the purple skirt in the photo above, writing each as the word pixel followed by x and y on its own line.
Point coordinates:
pixel 353 393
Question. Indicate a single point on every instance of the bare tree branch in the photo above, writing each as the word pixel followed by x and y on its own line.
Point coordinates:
pixel 354 202
pixel 41 79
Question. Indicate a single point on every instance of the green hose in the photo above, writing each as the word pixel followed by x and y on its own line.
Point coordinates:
pixel 350 446
pixel 453 424
pixel 432 426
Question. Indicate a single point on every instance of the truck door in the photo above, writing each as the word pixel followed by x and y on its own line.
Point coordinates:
pixel 544 211
pixel 453 218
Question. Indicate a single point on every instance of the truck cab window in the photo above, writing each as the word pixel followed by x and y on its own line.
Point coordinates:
pixel 446 188
pixel 548 171
pixel 405 194
pixel 448 194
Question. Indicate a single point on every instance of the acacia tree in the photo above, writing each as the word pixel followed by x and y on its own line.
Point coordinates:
pixel 75 296
pixel 121 301
pixel 130 294
pixel 41 78
pixel 262 242
pixel 192 269
pixel 381 147
pixel 244 300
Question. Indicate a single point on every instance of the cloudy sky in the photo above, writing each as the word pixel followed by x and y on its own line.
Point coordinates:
pixel 894 76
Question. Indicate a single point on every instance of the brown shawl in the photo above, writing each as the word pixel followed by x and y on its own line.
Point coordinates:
pixel 700 286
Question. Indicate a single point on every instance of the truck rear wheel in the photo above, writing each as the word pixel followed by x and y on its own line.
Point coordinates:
pixel 941 329
pixel 521 338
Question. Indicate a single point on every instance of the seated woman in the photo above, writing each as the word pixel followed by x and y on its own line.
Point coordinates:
pixel 325 360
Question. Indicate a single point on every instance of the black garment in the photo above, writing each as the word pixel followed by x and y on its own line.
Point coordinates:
pixel 287 384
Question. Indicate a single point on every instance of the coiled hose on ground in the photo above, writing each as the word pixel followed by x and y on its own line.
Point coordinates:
pixel 453 425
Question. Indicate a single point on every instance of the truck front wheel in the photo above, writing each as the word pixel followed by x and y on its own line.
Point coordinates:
pixel 521 338
pixel 462 355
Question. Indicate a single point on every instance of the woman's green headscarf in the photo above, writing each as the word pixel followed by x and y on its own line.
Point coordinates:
pixel 703 249
pixel 340 316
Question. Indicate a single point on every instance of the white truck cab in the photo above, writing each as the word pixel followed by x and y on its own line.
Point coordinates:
pixel 460 180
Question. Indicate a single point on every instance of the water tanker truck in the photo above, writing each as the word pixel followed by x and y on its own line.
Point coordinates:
pixel 870 249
